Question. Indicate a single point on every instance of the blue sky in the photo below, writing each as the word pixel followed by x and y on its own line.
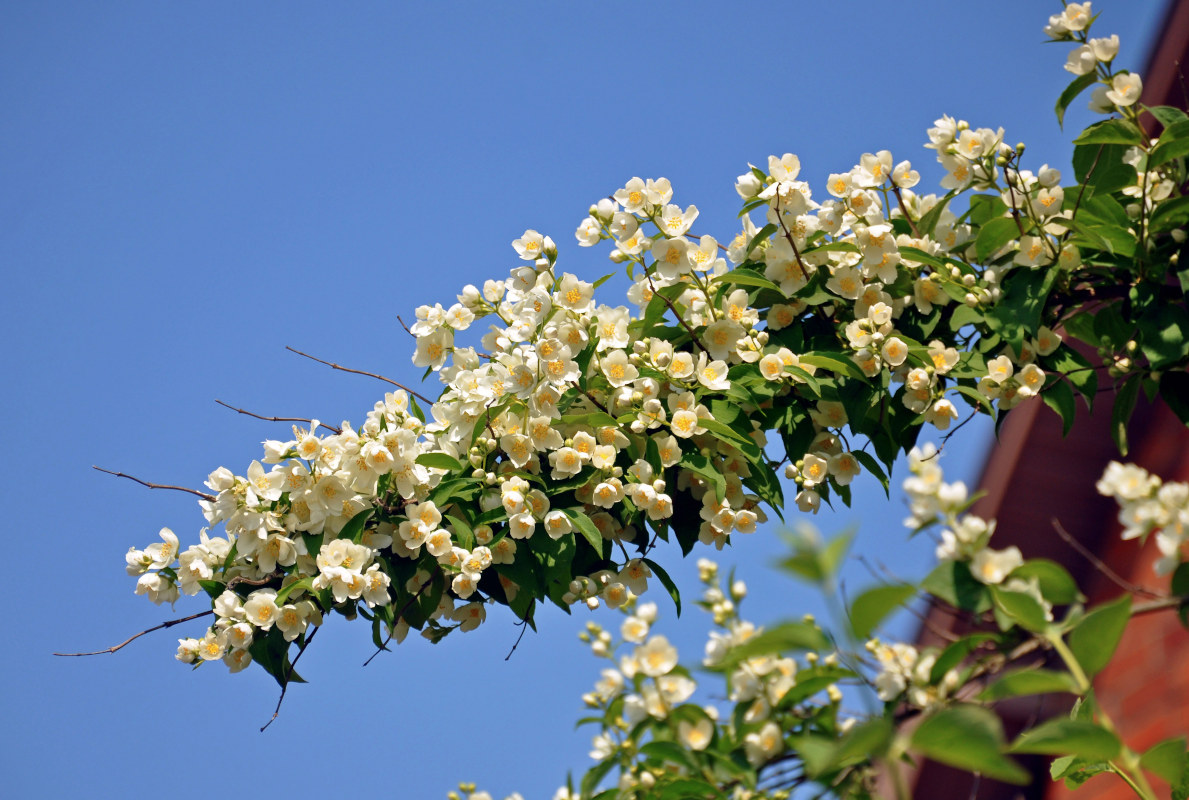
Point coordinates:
pixel 189 188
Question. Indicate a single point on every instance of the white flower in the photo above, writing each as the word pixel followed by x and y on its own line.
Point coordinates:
pixel 656 657
pixel 764 744
pixel 529 246
pixel 992 566
pixel 261 608
pixel 695 736
pixel 1125 89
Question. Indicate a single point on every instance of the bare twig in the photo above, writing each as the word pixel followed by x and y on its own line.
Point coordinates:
pixel 395 619
pixel 904 210
pixel 131 639
pixel 1101 566
pixel 418 395
pixel 523 627
pixel 203 495
pixel 680 319
pixel 288 675
pixel 278 419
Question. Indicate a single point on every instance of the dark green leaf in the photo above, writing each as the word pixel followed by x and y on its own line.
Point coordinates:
pixel 838 364
pixel 1028 682
pixel 1071 737
pixel 952 582
pixel 1059 397
pixel 1095 638
pixel 1164 333
pixel 305 584
pixel 1121 412
pixel 587 528
pixel 353 530
pixel 1072 91
pixel 1173 143
pixel 1056 584
pixel 994 235
pixel 874 605
pixel 1171 214
pixel 667 582
pixel 969 738
pixel 1021 608
pixel 1111 131
pixel 1102 169
pixel 955 653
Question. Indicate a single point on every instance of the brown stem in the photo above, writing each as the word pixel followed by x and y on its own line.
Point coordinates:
pixel 680 319
pixel 904 210
pixel 396 618
pixel 131 639
pixel 419 396
pixel 1099 565
pixel 203 495
pixel 278 419
pixel 288 675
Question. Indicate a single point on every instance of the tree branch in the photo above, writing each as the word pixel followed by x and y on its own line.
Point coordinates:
pixel 278 419
pixel 1100 565
pixel 203 495
pixel 288 675
pixel 131 639
pixel 418 395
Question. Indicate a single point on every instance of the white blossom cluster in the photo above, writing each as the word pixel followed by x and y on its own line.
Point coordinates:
pixel 1146 506
pixel 964 537
pixel 569 423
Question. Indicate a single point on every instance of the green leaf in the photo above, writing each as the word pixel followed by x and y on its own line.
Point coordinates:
pixel 1166 759
pixel 994 235
pixel 1028 682
pixel 440 461
pixel 760 235
pixel 1111 131
pixel 668 751
pixel 1165 335
pixel 305 584
pixel 1173 143
pixel 1072 91
pixel 700 465
pixel 1167 115
pixel 1056 584
pixel 969 738
pixel 743 277
pixel 1095 638
pixel 466 536
pixel 587 528
pixel 1021 608
pixel 1171 214
pixel 1121 412
pixel 874 605
pixel 838 364
pixel 928 223
pixel 353 530
pixel 952 582
pixel 956 653
pixel 666 581
pixel 783 638
pixel 1102 169
pixel 871 465
pixel 1069 737
pixel 1174 389
pixel 1059 397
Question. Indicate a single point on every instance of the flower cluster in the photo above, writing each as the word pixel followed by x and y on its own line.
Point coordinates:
pixel 573 438
pixel 1147 506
